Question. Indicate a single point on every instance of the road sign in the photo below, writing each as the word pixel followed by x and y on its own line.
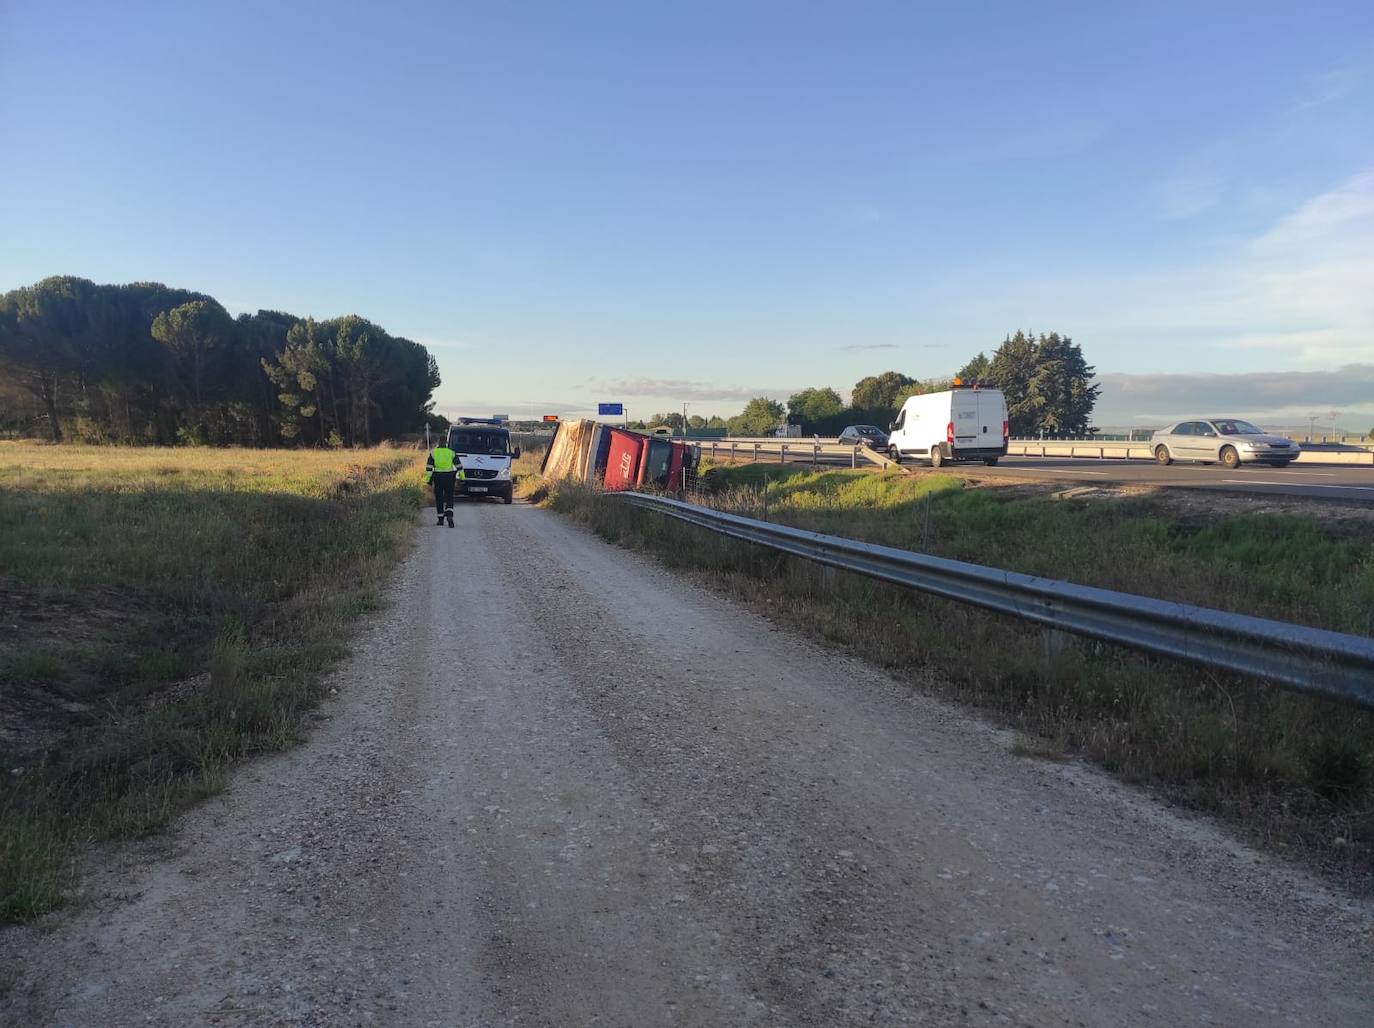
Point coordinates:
pixel 551 418
pixel 610 408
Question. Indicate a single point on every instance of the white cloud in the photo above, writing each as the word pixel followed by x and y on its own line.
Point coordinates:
pixel 1327 219
pixel 682 389
pixel 1300 291
pixel 1274 398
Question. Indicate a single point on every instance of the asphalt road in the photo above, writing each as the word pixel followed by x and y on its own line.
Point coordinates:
pixel 559 785
pixel 1322 481
pixel 1318 481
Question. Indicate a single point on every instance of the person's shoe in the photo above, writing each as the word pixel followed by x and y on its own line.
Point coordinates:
pixel 450 519
pixel 440 521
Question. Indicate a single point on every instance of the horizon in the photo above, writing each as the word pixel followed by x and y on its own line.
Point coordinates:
pixel 720 203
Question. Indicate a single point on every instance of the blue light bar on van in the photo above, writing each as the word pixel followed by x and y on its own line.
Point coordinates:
pixel 480 421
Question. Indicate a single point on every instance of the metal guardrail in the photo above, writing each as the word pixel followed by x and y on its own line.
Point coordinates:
pixel 1307 659
pixel 809 448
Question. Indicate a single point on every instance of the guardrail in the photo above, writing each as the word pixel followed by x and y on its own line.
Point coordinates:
pixel 1307 659
pixel 1144 451
pixel 801 447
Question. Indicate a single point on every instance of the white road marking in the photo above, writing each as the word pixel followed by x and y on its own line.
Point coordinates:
pixel 1287 471
pixel 1304 485
pixel 1061 471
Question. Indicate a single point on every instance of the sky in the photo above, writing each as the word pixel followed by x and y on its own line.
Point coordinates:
pixel 667 203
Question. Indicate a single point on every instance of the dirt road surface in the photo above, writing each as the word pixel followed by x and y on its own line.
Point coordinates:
pixel 559 786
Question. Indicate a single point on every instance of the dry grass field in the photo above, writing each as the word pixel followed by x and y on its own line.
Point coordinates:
pixel 164 613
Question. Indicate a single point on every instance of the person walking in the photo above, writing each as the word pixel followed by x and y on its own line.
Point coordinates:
pixel 442 470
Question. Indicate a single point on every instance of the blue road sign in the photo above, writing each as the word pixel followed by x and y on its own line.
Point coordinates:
pixel 610 408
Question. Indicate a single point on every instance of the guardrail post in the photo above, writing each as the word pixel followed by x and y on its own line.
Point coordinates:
pixel 756 453
pixel 815 455
pixel 782 454
pixel 854 458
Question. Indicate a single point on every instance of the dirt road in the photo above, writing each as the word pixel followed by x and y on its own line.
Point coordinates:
pixel 560 787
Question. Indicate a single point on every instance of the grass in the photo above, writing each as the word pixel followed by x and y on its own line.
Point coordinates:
pixel 163 614
pixel 1295 773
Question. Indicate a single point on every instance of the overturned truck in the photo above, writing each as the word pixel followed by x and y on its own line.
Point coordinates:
pixel 616 458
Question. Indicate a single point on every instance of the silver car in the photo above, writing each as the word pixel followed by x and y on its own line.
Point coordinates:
pixel 1228 441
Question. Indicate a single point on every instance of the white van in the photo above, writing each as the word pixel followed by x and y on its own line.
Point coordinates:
pixel 963 423
pixel 483 449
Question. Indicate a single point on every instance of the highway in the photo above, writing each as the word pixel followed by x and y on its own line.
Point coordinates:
pixel 1348 483
pixel 1327 481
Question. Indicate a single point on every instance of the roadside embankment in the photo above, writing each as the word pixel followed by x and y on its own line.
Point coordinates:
pixel 1295 773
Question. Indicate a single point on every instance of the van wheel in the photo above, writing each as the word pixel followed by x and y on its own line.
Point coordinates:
pixel 937 457
pixel 894 455
pixel 1230 458
pixel 990 461
pixel 1162 455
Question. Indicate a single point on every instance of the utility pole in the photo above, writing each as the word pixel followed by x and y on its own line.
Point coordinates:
pixel 684 422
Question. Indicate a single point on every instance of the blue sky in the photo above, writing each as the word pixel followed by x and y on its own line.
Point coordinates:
pixel 657 203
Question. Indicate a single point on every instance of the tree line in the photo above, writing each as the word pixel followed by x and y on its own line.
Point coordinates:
pixel 1047 382
pixel 147 363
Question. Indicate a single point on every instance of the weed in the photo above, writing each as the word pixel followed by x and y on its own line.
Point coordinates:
pixel 191 603
pixel 1291 770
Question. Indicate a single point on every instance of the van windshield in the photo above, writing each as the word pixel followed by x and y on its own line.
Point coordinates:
pixel 471 440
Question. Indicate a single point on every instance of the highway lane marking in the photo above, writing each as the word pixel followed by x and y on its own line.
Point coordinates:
pixel 1059 471
pixel 1213 471
pixel 1299 485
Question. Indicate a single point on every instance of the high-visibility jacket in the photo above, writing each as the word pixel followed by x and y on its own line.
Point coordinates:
pixel 441 459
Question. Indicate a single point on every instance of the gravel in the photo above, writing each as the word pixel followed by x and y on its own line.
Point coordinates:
pixel 558 786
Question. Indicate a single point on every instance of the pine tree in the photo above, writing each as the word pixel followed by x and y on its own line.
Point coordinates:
pixel 1012 367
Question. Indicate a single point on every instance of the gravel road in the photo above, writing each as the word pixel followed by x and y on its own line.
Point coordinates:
pixel 560 787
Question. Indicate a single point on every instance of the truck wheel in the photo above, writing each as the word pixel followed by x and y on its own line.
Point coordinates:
pixel 937 457
pixel 1230 458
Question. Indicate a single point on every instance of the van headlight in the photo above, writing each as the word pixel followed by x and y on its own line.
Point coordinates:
pixel 504 472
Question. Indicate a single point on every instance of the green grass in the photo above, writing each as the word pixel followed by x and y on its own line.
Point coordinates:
pixel 1279 566
pixel 164 614
pixel 1292 771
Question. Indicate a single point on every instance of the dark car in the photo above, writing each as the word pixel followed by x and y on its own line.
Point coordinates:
pixel 864 435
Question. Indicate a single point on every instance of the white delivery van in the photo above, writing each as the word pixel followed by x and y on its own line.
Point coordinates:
pixel 483 450
pixel 968 422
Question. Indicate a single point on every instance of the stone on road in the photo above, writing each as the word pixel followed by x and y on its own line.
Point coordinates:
pixel 560 786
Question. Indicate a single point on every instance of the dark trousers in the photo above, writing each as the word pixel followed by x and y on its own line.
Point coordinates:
pixel 443 489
